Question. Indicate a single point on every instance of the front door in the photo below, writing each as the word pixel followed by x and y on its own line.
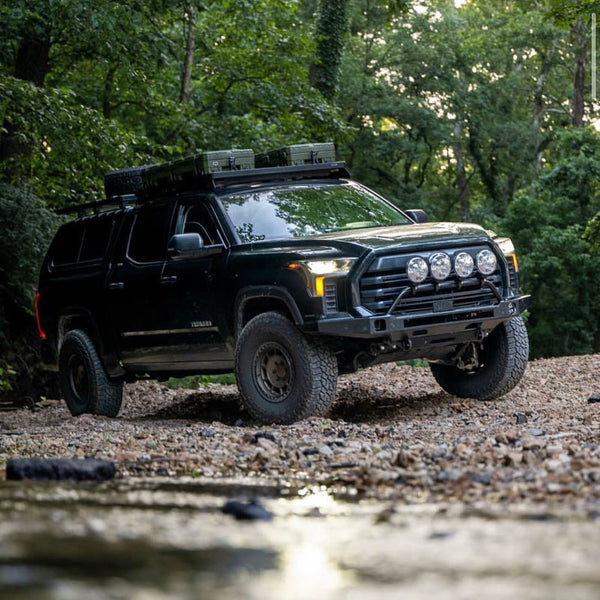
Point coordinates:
pixel 195 314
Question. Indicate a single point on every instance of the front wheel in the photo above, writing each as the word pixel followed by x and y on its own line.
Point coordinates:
pixel 488 369
pixel 282 375
pixel 85 385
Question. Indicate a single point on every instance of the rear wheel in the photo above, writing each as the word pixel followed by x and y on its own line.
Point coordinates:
pixel 488 369
pixel 85 385
pixel 283 376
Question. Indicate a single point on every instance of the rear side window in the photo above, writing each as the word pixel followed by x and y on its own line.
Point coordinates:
pixel 82 241
pixel 67 245
pixel 96 238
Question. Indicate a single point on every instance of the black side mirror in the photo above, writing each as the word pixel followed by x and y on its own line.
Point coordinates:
pixel 185 243
pixel 417 215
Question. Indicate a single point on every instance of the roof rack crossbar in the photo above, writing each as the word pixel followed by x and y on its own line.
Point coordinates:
pixel 97 206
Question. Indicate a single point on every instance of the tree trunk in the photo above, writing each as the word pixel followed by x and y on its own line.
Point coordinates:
pixel 109 84
pixel 32 62
pixel 461 174
pixel 188 62
pixel 487 174
pixel 330 43
pixel 578 31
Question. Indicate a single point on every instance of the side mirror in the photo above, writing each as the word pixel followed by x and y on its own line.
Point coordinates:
pixel 185 243
pixel 417 215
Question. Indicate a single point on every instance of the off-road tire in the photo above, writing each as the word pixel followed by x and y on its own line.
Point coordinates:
pixel 503 358
pixel 124 181
pixel 283 376
pixel 84 384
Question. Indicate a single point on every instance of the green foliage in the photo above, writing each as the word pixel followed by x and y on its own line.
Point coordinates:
pixel 557 267
pixel 27 228
pixel 330 42
pixel 6 373
pixel 592 233
pixel 57 147
pixel 195 382
pixel 464 111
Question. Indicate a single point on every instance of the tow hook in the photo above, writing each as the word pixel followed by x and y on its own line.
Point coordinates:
pixel 480 334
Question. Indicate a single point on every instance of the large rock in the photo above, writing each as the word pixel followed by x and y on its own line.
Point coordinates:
pixel 60 469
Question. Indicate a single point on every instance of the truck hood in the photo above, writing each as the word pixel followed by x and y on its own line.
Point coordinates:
pixel 406 235
pixel 359 241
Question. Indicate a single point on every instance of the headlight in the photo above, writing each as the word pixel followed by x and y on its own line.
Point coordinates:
pixel 508 249
pixel 464 264
pixel 416 269
pixel 440 265
pixel 328 267
pixel 486 262
pixel 506 245
pixel 315 272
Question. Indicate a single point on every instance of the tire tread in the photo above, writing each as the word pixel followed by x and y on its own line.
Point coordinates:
pixel 319 359
pixel 508 364
pixel 105 395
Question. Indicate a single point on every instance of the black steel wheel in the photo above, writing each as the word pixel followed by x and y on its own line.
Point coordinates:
pixel 283 376
pixel 84 384
pixel 489 369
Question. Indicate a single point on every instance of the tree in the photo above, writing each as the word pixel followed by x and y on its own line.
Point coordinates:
pixel 557 267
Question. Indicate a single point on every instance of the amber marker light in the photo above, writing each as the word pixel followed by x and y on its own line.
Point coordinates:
pixel 37 316
pixel 300 269
pixel 320 286
pixel 515 261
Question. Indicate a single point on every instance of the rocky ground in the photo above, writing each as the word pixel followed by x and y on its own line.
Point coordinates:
pixel 392 434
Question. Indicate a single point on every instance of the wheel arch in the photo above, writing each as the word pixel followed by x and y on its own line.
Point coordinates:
pixel 253 301
pixel 79 318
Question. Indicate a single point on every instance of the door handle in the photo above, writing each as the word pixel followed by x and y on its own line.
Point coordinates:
pixel 170 280
pixel 116 285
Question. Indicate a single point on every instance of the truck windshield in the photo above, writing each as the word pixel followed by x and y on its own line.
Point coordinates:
pixel 307 209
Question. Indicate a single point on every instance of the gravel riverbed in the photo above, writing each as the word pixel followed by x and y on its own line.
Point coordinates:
pixel 392 434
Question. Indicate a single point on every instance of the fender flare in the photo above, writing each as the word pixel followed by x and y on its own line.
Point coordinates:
pixel 273 292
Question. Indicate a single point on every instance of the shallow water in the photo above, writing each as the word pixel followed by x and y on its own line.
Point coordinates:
pixel 145 539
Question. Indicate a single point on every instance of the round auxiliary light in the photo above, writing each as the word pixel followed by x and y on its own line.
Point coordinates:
pixel 486 262
pixel 440 265
pixel 464 264
pixel 416 269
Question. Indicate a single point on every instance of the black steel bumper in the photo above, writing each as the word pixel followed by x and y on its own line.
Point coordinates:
pixel 473 321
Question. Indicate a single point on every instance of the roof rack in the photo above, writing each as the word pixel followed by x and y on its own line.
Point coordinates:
pixel 221 179
pixel 93 208
pixel 209 171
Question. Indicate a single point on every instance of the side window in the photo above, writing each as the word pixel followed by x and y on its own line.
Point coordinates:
pixel 96 239
pixel 67 245
pixel 148 239
pixel 197 219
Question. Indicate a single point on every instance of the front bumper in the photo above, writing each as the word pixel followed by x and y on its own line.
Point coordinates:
pixel 460 324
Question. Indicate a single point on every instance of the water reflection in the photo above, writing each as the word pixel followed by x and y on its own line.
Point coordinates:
pixel 308 572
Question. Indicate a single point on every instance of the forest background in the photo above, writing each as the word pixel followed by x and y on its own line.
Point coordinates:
pixel 474 110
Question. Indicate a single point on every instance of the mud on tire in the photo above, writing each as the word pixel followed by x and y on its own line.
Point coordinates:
pixel 84 384
pixel 503 360
pixel 282 375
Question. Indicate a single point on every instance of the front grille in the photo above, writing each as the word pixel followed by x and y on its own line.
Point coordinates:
pixel 385 280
